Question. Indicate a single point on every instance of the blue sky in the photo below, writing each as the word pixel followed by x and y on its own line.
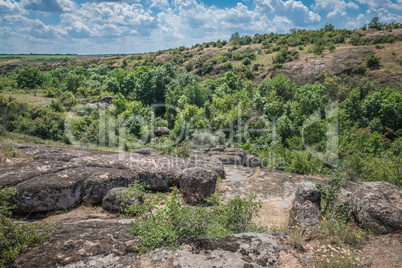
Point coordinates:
pixel 133 26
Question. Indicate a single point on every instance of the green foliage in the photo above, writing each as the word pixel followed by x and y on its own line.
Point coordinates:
pixel 158 224
pixel 329 193
pixel 361 69
pixel 373 62
pixel 15 238
pixel 29 77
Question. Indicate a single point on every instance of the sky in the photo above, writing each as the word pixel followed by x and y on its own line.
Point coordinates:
pixel 135 26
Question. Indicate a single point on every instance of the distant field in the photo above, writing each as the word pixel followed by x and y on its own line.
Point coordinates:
pixel 20 56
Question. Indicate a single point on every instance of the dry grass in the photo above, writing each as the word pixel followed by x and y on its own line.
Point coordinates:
pixel 271 216
pixel 31 99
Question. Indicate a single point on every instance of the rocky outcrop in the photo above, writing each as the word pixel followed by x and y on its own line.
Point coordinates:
pixel 378 206
pixel 107 243
pixel 196 184
pixel 234 156
pixel 340 62
pixel 305 211
pixel 376 36
pixel 112 201
pixel 62 177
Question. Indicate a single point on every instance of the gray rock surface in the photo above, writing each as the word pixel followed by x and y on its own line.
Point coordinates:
pixel 197 183
pixel 107 243
pixel 63 177
pixel 162 131
pixel 378 206
pixel 305 211
pixel 112 203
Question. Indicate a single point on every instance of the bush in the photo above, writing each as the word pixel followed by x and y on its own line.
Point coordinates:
pixel 206 139
pixel 16 238
pixel 29 77
pixel 361 69
pixel 167 223
pixel 373 62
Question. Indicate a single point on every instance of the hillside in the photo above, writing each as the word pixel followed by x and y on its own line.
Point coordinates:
pixel 265 150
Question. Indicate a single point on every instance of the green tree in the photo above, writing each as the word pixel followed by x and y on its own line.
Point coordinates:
pixel 29 77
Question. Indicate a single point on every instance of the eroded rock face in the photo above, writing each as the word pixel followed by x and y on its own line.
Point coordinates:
pixel 378 206
pixel 305 211
pixel 197 183
pixel 62 177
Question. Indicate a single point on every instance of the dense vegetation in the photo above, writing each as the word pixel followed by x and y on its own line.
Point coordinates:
pixel 369 117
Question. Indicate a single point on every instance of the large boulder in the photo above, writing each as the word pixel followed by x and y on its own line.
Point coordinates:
pixel 305 211
pixel 378 206
pixel 197 183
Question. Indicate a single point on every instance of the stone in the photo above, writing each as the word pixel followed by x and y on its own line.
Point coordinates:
pixel 162 131
pixel 107 99
pixel 252 161
pixel 107 243
pixel 144 151
pixel 62 177
pixel 111 201
pixel 305 211
pixel 197 183
pixel 378 206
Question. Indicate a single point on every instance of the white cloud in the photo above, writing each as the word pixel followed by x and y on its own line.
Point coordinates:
pixel 388 4
pixel 334 7
pixel 294 11
pixel 11 7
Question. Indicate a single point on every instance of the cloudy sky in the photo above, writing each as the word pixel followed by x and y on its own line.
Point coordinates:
pixel 132 26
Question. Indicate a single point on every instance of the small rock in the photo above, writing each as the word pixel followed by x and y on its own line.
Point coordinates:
pixel 162 131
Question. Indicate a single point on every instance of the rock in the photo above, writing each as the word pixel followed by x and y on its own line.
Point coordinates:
pixel 227 54
pixel 62 177
pixel 197 183
pixel 107 243
pixel 373 37
pixel 229 159
pixel 107 99
pixel 305 211
pixel 252 161
pixel 111 201
pixel 378 206
pixel 144 151
pixel 90 243
pixel 162 131
pixel 83 112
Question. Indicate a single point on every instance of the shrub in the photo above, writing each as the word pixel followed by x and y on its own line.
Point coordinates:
pixel 16 238
pixel 159 224
pixel 373 62
pixel 361 69
pixel 29 77
pixel 204 139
